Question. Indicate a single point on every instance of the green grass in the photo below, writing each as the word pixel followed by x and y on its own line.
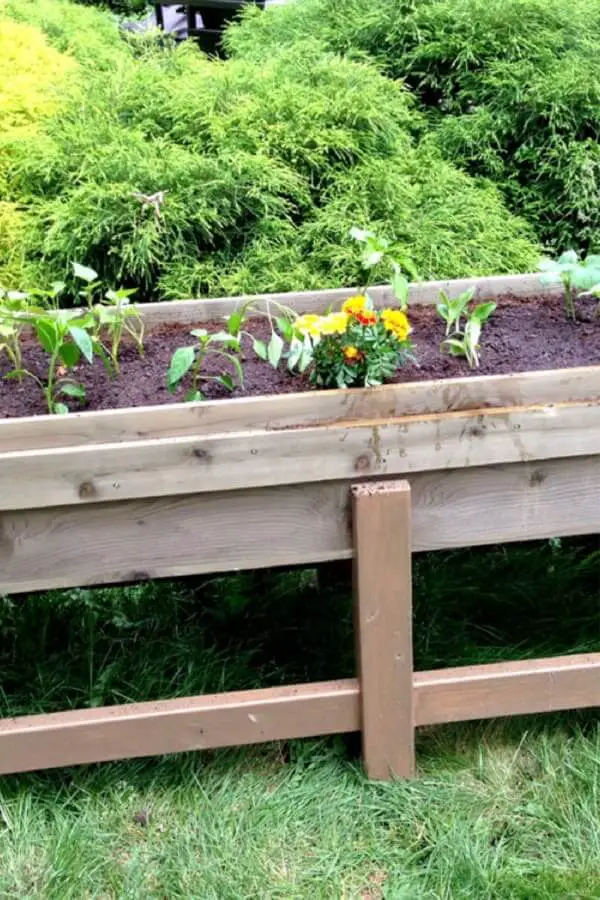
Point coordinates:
pixel 505 809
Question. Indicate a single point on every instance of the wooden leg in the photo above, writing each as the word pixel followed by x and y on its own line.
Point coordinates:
pixel 383 625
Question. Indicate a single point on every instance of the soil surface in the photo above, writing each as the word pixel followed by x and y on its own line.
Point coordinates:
pixel 523 335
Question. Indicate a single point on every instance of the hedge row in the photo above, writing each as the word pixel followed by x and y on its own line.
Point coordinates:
pixel 258 165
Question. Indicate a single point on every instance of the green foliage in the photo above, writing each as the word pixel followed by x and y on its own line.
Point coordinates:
pixel 261 168
pixel 462 339
pixel 220 345
pixel 574 274
pixel 511 87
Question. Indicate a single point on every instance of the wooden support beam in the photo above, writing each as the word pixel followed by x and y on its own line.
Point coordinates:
pixel 335 707
pixel 383 626
pixel 171 726
pixel 507 689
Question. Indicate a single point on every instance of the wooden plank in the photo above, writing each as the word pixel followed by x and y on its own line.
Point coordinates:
pixel 295 525
pixel 170 726
pixel 239 460
pixel 383 626
pixel 304 409
pixel 220 720
pixel 191 312
pixel 507 689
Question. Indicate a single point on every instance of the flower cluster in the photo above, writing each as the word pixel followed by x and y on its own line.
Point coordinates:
pixel 357 346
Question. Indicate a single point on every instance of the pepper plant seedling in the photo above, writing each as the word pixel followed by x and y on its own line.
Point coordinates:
pixel 463 340
pixel 66 339
pixel 12 304
pixel 115 318
pixel 191 359
pixel 376 250
pixel 574 273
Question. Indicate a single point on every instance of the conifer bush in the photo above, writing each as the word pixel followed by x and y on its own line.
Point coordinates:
pixel 181 176
pixel 511 88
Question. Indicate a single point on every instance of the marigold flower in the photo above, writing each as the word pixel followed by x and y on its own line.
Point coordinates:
pixel 396 322
pixel 366 317
pixel 309 324
pixel 354 305
pixel 352 353
pixel 334 323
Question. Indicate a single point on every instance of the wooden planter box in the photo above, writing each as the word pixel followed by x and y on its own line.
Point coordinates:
pixel 116 496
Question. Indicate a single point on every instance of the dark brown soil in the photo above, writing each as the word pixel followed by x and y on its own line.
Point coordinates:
pixel 523 335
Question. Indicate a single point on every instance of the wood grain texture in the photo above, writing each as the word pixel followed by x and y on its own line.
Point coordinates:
pixel 302 524
pixel 239 460
pixel 194 723
pixel 170 726
pixel 507 689
pixel 427 292
pixel 383 626
pixel 304 409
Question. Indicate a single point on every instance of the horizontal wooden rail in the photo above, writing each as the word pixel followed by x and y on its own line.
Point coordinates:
pixel 295 525
pixel 192 311
pixel 171 726
pixel 299 410
pixel 507 689
pixel 226 462
pixel 248 717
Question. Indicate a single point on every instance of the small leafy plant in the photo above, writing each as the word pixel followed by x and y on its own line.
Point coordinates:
pixel 574 273
pixel 114 318
pixel 66 339
pixel 358 346
pixel 12 303
pixel 462 339
pixel 191 359
pixel 377 251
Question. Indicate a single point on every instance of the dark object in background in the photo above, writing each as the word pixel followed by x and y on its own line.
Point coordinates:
pixel 203 20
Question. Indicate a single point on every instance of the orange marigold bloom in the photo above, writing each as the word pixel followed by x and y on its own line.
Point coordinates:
pixel 366 317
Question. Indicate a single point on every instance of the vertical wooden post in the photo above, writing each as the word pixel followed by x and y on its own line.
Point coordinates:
pixel 383 626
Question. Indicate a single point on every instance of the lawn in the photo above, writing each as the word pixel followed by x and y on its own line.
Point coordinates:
pixel 501 810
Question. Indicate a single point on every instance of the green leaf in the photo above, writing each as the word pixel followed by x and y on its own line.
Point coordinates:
pixel 483 311
pixel 200 333
pixel 47 334
pixel 400 288
pixel 57 288
pixel 60 409
pixel 455 347
pixel 226 381
pixel 84 273
pixel 296 350
pixel 181 363
pixel 83 341
pixel 69 355
pixel 223 337
pixel 286 328
pixel 234 322
pixel 70 389
pixel 238 368
pixel 260 349
pixel 569 257
pixel 192 396
pixel 370 258
pixel 274 350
